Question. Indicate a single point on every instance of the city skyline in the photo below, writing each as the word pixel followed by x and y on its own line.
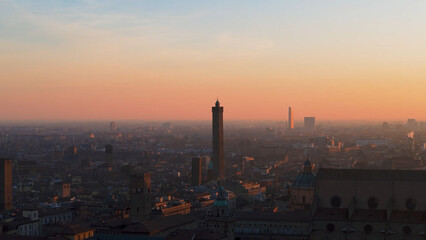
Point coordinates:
pixel 90 60
pixel 106 130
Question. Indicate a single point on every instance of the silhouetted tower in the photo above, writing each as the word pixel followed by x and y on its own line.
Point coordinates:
pixel 411 142
pixel 276 183
pixel 307 166
pixel 113 126
pixel 218 155
pixel 140 193
pixel 72 150
pixel 5 184
pixel 196 177
pixel 243 160
pixel 412 124
pixel 290 118
pixel 109 155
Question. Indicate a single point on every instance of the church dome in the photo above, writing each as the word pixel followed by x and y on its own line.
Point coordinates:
pixel 307 178
pixel 307 162
pixel 222 197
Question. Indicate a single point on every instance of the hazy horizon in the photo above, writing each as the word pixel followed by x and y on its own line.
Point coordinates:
pixel 298 123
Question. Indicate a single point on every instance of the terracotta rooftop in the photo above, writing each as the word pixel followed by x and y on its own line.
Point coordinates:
pixel 74 229
pixel 159 224
pixel 285 216
pixel 194 234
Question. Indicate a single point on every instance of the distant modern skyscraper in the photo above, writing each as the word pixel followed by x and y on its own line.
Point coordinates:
pixel 113 126
pixel 385 125
pixel 290 118
pixel 5 184
pixel 218 155
pixel 412 124
pixel 309 123
pixel 196 177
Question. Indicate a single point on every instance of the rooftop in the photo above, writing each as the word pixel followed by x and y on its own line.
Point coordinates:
pixel 157 225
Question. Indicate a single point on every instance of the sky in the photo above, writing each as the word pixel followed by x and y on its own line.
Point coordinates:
pixel 171 60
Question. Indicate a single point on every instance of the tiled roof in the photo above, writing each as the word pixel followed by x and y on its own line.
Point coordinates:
pixel 13 237
pixel 285 216
pixel 159 224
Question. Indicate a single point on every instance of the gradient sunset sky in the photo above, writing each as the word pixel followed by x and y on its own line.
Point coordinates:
pixel 170 60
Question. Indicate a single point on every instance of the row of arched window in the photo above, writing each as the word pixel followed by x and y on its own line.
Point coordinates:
pixel 372 202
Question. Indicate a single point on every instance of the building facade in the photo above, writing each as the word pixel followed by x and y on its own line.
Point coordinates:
pixel 196 176
pixel 372 204
pixel 309 123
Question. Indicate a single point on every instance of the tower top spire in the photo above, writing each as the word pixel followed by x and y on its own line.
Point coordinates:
pixel 217 103
pixel 307 166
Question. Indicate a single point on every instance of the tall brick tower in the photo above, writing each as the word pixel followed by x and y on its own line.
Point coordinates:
pixel 140 193
pixel 5 184
pixel 218 155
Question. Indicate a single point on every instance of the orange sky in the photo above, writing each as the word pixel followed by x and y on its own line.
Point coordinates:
pixel 351 63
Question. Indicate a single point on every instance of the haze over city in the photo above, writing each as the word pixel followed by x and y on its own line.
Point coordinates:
pixel 212 120
pixel 167 60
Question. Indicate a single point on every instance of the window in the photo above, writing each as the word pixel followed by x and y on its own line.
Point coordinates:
pixel 335 201
pixel 406 230
pixel 410 204
pixel 373 203
pixel 368 228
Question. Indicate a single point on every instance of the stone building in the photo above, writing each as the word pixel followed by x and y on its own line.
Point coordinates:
pixel 372 204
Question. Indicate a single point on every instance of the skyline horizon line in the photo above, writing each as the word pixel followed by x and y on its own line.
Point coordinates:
pixel 299 121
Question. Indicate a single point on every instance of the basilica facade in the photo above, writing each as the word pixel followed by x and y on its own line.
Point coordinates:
pixel 369 204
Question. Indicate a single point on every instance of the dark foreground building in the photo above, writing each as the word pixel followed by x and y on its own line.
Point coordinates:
pixel 369 204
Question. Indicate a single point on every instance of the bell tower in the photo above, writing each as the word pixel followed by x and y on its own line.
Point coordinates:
pixel 140 193
pixel 218 154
